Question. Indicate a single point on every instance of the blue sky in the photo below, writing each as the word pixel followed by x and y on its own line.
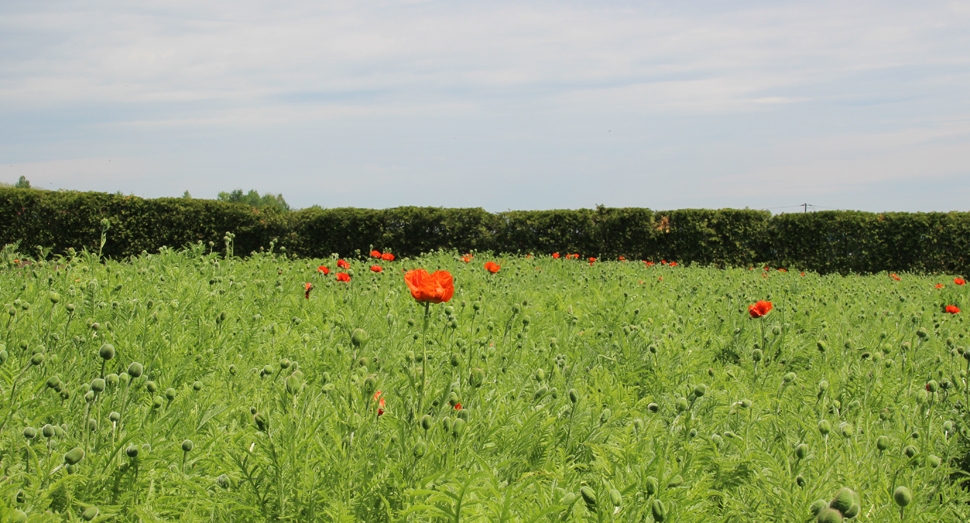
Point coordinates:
pixel 500 105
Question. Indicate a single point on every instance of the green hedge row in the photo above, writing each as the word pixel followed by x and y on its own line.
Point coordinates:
pixel 833 241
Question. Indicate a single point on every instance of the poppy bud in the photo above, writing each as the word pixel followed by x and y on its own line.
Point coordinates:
pixel 158 402
pixel 135 370
pixel 458 428
pixel 370 384
pixel 74 456
pixel 658 510
pixel 717 440
pixel 170 394
pixel 477 377
pixel 589 496
pixel 359 337
pixel 824 427
pixel 934 460
pixel 53 382
pixel 262 421
pixel 605 416
pixel 573 396
pixel 540 392
pixel 700 390
pixel 89 513
pixel 681 404
pixel 843 500
pixel 651 485
pixel 446 424
pixel 132 451
pixel 615 497
pixel 746 403
pixel 112 379
pixel 420 449
pixel 902 496
pixel 197 386
pixel 151 387
pixel 540 375
pixel 756 355
pixel 568 499
pixel 910 451
pixel 426 422
pixel 846 429
pixel 455 359
pixel 882 443
pixel 675 481
pixel 187 445
pixel 829 515
pixel 653 407
pixel 293 384
pixel 800 480
pixel 37 359
pixel 801 451
pixel 98 385
pixel 107 352
pixel 30 432
pixel 89 396
pixel 821 346
pixel 452 399
pixel 788 378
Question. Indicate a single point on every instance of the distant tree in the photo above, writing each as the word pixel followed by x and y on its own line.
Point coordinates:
pixel 253 199
pixel 22 183
pixel 186 195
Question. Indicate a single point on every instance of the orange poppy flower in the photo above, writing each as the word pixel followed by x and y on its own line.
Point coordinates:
pixel 555 256
pixel 466 259
pixel 375 254
pixel 376 268
pixel 457 406
pixel 343 276
pixel 649 263
pixel 380 402
pixel 307 287
pixel 430 288
pixel 342 264
pixel 387 256
pixel 959 281
pixel 622 258
pixel 492 267
pixel 324 270
pixel 952 309
pixel 673 264
pixel 939 285
pixel 759 309
pixel 591 260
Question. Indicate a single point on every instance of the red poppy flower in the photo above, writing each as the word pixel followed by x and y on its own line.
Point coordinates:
pixel 376 268
pixel 387 256
pixel 380 402
pixel 466 259
pixel 343 276
pixel 324 270
pixel 897 278
pixel 952 309
pixel 959 281
pixel 555 255
pixel 342 264
pixel 782 270
pixel 663 262
pixel 939 285
pixel 759 309
pixel 430 288
pixel 527 256
pixel 492 267
pixel 457 406
pixel 649 264
pixel 591 260
pixel 307 287
pixel 803 274
pixel 673 264
pixel 622 258
pixel 375 254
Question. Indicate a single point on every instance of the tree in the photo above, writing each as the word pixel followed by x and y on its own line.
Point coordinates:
pixel 22 183
pixel 253 199
pixel 186 195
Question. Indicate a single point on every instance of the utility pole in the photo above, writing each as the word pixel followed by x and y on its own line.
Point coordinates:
pixel 805 205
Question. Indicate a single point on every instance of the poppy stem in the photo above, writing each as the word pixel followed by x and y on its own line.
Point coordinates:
pixel 424 357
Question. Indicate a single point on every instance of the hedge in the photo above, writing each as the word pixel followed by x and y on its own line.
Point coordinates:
pixel 831 241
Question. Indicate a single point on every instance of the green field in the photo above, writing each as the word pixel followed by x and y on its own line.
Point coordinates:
pixel 552 390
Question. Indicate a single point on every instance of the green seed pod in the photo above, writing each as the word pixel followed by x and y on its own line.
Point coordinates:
pixel 651 485
pixel 882 443
pixel 53 382
pixel 589 496
pixel 132 451
pixel 934 460
pixel 846 429
pixel 135 370
pixel 910 451
pixel 89 396
pixel 675 481
pixel 420 449
pixel 151 387
pixel 800 480
pixel 947 426
pixel 463 414
pixel 477 377
pixel 605 416
pixel 293 384
pixel 540 392
pixel 114 417
pixel 573 396
pixel 170 394
pixel 89 513
pixel 746 403
pixel 540 375
pixel 932 386
pixel 801 451
pixel 700 390
pixel 681 404
pixel 30 432
pixel 98 385
pixel 902 496
pixel 197 386
pixel 426 422
pixel 568 499
pixel 370 385
pixel 74 456
pixel 788 378
pixel 106 352
pixel 48 431
pixel 112 379
pixel 158 402
pixel 187 445
pixel 447 424
pixel 757 355
pixel 37 359
pixel 843 500
pixel 659 511
pixel 823 386
pixel 268 370
pixel 359 338
pixel 829 515
pixel 616 498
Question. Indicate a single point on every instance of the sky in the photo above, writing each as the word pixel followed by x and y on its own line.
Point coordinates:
pixel 500 105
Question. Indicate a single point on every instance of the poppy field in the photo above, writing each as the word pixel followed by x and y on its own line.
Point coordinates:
pixel 190 386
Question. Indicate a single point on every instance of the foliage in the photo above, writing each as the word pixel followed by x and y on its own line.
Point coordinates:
pixel 253 199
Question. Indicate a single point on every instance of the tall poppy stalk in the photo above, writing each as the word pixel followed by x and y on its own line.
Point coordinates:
pixel 427 289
